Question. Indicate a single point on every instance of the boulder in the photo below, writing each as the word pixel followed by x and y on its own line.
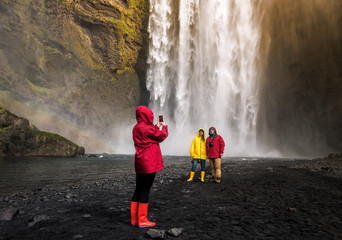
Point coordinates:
pixel 175 231
pixel 19 138
pixel 155 233
pixel 8 214
pixel 37 219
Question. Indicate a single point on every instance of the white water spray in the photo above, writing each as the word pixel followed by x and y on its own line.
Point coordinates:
pixel 203 71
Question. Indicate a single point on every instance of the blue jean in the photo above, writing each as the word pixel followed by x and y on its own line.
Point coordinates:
pixel 195 162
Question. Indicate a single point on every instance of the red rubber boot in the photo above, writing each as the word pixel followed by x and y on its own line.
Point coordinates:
pixel 143 222
pixel 134 213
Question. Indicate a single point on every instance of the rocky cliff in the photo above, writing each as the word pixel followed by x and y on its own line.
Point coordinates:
pixel 301 100
pixel 19 138
pixel 76 62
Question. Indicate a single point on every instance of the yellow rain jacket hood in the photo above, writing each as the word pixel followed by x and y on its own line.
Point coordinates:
pixel 197 150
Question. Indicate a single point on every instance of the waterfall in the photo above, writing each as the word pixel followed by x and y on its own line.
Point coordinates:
pixel 203 71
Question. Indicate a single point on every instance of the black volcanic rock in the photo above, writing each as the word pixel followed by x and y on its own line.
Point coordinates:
pixel 19 138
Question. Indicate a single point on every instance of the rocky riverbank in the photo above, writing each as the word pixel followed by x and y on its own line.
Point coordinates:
pixel 257 199
pixel 19 138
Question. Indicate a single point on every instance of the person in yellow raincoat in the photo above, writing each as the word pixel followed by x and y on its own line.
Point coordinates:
pixel 198 154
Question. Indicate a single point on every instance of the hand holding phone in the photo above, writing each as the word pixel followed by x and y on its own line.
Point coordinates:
pixel 161 118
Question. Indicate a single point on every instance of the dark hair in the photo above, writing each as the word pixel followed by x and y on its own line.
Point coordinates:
pixel 202 137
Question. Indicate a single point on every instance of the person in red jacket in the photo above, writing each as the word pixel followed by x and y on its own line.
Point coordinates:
pixel 148 161
pixel 215 147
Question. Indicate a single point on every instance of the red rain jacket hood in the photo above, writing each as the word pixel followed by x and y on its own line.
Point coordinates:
pixel 146 137
pixel 217 147
pixel 144 115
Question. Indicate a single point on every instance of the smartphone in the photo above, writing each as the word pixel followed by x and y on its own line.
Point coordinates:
pixel 161 118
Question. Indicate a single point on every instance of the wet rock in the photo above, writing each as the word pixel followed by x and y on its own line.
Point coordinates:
pixel 186 191
pixel 37 219
pixel 45 199
pixel 291 209
pixel 68 196
pixel 175 231
pixel 37 190
pixel 8 214
pixel 6 199
pixel 155 233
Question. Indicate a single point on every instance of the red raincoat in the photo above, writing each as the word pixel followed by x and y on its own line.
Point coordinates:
pixel 146 137
pixel 218 146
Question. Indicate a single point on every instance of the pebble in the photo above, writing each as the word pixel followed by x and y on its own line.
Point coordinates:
pixel 291 209
pixel 86 215
pixel 68 196
pixel 45 199
pixel 6 199
pixel 175 231
pixel 78 236
pixel 155 233
pixel 8 214
pixel 37 219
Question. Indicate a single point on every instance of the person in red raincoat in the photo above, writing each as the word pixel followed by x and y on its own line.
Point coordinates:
pixel 148 161
pixel 215 148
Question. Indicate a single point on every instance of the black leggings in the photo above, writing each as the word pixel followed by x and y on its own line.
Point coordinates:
pixel 143 185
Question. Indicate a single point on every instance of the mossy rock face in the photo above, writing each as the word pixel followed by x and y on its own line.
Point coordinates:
pixel 18 138
pixel 75 59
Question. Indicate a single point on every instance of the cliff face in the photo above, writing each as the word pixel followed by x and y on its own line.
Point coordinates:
pixel 301 99
pixel 19 138
pixel 80 62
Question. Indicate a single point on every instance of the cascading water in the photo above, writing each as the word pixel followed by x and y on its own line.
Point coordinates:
pixel 203 71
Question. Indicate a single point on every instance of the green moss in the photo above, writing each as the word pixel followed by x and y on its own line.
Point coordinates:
pixel 128 28
pixel 52 51
pixel 41 91
pixel 79 44
pixel 3 112
pixel 8 127
pixel 53 136
pixel 47 134
pixel 125 70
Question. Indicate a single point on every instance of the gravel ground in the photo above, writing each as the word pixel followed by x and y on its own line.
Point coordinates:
pixel 257 199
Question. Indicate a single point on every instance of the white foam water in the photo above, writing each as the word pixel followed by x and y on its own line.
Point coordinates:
pixel 203 71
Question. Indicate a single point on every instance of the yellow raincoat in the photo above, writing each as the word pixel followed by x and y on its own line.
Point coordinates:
pixel 197 150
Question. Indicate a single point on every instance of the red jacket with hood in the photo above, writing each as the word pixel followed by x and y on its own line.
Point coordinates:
pixel 146 137
pixel 217 145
